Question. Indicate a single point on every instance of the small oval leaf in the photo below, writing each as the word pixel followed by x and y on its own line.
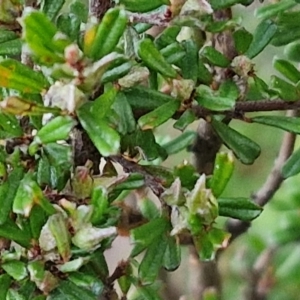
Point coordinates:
pixel 244 148
pixel 291 124
pixel 263 34
pixel 239 208
pixel 292 165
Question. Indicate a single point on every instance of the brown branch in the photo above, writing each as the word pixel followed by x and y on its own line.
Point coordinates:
pixel 260 277
pixel 249 106
pixel 157 19
pixel 97 8
pixel 272 183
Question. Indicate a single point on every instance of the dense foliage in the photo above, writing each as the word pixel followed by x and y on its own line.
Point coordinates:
pixel 81 84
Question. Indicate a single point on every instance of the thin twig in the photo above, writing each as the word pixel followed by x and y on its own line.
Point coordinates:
pixel 249 106
pixel 260 278
pixel 274 180
pixel 272 183
pixel 157 19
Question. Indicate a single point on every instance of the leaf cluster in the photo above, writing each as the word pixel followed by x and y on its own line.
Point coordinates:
pixel 113 82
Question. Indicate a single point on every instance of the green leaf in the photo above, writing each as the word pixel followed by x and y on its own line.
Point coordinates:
pixel 143 5
pixel 173 53
pixel 113 74
pixel 71 291
pixel 8 191
pixel 87 281
pixel 51 8
pixel 7 35
pixel 148 208
pixel 37 220
pixel 167 36
pixel 39 34
pixel 5 281
pixel 12 294
pixel 142 27
pixel 15 75
pixel 223 169
pixel 287 69
pixel 229 89
pixel 204 246
pixel 268 11
pixel 99 200
pixel 126 122
pixel 105 138
pixel 291 124
pixel 70 25
pixel 186 119
pixel 146 234
pixel 263 34
pixel 292 165
pixel 183 141
pixel 98 264
pixel 103 103
pixel 189 62
pixel 11 48
pixel 27 289
pixel 58 227
pixel 143 142
pixel 244 148
pixel 242 40
pixel 239 208
pixel 285 35
pixel 29 194
pixel 11 231
pixel 215 57
pixel 57 129
pixel 219 26
pixel 212 100
pixel 133 181
pixel 152 261
pixel 59 158
pixel 172 255
pixel 144 98
pixel 24 198
pixel 58 154
pixel 107 34
pixel 292 51
pixel 125 281
pixel 187 174
pixel 80 10
pixel 204 75
pixel 153 59
pixel 159 115
pixel 10 125
pixel 286 91
pixel 15 268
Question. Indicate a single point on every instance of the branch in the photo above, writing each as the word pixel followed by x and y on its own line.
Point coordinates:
pixel 272 183
pixel 249 106
pixel 275 178
pixel 157 19
pixel 97 8
pixel 260 279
